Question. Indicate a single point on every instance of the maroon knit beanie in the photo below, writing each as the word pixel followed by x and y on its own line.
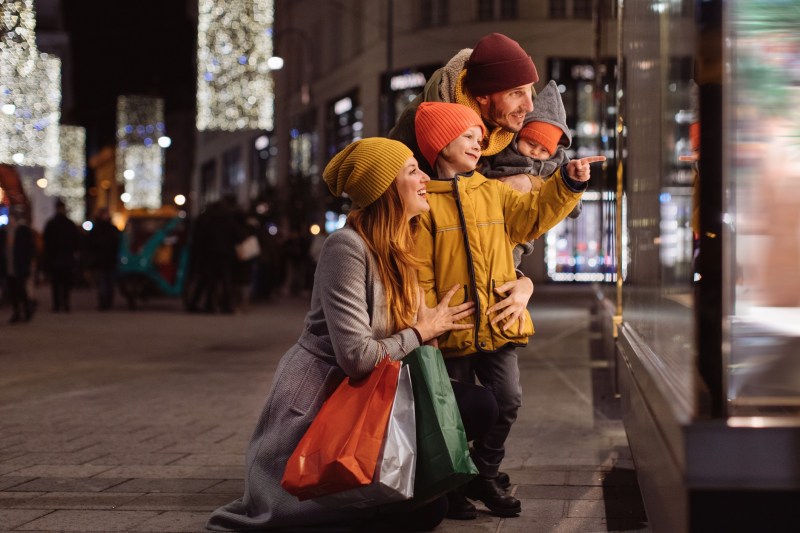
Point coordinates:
pixel 497 64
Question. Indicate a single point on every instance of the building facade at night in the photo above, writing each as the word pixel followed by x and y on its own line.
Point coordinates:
pixel 349 68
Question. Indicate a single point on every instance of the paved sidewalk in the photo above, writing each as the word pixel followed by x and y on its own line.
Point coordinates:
pixel 138 421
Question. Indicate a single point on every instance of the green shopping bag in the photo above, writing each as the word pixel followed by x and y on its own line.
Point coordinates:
pixel 443 461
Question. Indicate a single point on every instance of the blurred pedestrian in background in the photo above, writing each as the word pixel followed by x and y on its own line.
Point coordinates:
pixel 17 249
pixel 102 247
pixel 213 256
pixel 61 243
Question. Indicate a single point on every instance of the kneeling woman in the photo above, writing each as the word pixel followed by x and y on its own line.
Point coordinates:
pixel 365 303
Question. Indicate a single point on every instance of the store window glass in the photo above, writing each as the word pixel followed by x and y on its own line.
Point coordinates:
pixel 208 182
pixel 657 106
pixel 497 9
pixel 583 249
pixel 343 123
pixel 763 211
pixel 558 9
pixel 233 172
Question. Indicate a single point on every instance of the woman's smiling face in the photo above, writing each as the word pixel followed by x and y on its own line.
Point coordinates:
pixel 411 187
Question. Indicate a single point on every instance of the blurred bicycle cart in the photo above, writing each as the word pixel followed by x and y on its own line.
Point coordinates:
pixel 154 256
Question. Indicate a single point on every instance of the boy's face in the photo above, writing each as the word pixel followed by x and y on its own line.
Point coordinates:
pixel 530 148
pixel 463 152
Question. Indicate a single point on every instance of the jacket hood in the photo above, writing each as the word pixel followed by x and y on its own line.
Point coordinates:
pixel 548 107
pixel 450 73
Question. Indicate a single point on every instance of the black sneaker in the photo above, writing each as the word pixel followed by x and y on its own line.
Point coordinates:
pixel 460 507
pixel 493 496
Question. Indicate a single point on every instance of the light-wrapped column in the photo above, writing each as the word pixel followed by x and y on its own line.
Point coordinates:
pixel 30 90
pixel 66 179
pixel 139 158
pixel 234 85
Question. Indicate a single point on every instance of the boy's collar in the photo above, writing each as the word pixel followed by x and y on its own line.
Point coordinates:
pixel 461 174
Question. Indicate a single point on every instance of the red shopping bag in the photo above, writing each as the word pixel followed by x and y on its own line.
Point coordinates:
pixel 340 449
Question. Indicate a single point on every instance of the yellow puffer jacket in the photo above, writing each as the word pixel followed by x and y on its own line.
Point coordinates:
pixel 479 258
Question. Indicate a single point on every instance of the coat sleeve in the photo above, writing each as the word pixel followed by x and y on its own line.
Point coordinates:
pixel 343 296
pixel 530 215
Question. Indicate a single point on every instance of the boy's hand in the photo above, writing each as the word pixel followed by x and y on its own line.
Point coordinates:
pixel 579 170
pixel 513 305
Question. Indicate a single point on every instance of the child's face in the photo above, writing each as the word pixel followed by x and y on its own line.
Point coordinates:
pixel 530 148
pixel 463 152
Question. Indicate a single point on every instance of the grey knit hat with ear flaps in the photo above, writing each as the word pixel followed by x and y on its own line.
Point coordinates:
pixel 548 108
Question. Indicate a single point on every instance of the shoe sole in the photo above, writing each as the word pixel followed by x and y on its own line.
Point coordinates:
pixel 505 513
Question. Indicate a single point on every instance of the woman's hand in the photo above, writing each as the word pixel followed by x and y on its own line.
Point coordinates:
pixel 433 321
pixel 516 295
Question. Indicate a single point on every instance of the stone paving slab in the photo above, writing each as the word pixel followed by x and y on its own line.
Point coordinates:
pixel 78 500
pixel 68 484
pixel 86 521
pixel 134 431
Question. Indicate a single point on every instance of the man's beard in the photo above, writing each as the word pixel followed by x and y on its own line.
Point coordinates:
pixel 497 119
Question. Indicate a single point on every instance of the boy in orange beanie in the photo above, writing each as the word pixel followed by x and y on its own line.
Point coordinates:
pixel 539 149
pixel 466 240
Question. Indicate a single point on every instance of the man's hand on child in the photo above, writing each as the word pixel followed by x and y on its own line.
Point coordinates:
pixel 513 305
pixel 433 321
pixel 579 170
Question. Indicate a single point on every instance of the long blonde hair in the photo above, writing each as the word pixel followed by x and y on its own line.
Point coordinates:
pixel 385 228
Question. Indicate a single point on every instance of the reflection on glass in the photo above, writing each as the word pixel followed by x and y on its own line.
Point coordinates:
pixel 764 208
pixel 583 249
pixel 656 104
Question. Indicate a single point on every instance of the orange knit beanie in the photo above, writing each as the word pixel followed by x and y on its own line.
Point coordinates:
pixel 543 133
pixel 437 124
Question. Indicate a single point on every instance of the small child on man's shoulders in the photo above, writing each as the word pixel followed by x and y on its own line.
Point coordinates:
pixel 539 149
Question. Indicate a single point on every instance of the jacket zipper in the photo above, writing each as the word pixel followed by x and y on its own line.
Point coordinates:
pixel 470 264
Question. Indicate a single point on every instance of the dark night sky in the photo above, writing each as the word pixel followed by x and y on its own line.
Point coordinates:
pixel 121 47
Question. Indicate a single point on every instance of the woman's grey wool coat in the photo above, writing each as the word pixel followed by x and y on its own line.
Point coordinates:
pixel 346 332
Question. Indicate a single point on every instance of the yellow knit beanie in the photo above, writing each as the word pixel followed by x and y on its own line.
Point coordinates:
pixel 365 168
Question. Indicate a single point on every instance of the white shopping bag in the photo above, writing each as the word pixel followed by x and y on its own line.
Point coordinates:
pixel 397 462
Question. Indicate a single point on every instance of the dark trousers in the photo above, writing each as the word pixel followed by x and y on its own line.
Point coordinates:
pixel 104 283
pixel 18 296
pixel 478 409
pixel 61 286
pixel 499 373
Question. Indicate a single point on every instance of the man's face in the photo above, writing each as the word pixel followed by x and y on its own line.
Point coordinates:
pixel 507 109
